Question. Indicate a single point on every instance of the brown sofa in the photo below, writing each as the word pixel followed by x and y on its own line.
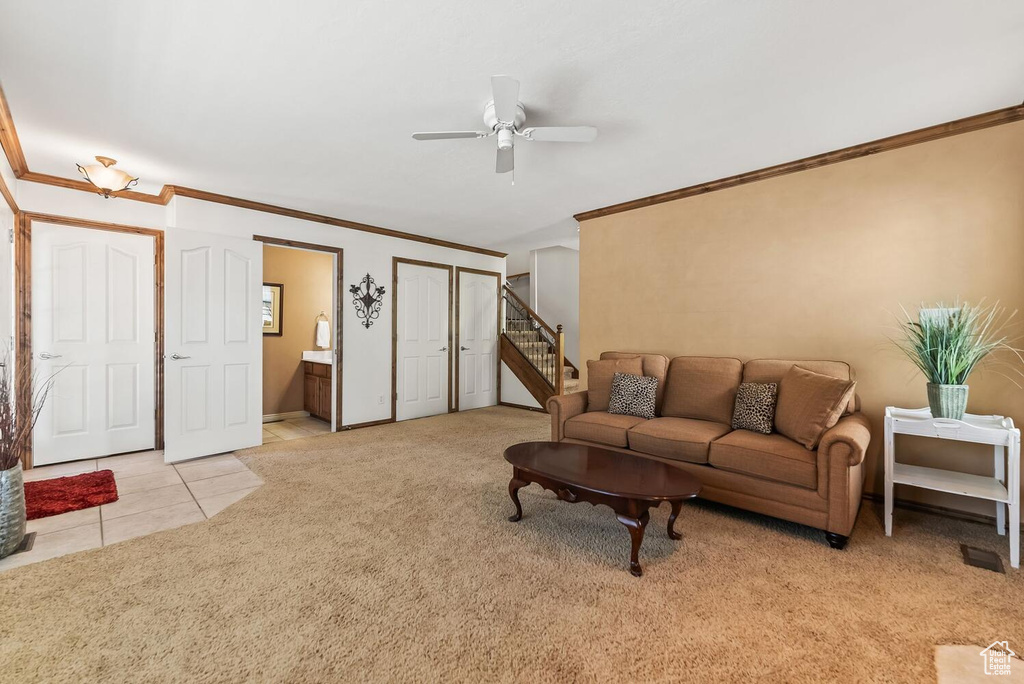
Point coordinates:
pixel 767 474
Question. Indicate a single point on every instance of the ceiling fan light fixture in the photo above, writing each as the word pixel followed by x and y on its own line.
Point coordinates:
pixel 504 138
pixel 106 178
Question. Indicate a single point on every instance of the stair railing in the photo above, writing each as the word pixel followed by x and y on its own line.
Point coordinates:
pixel 538 342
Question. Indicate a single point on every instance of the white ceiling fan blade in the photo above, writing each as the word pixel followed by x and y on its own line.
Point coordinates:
pixel 506 160
pixel 561 133
pixel 449 135
pixel 506 97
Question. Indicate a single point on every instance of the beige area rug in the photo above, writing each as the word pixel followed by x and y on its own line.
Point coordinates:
pixel 385 554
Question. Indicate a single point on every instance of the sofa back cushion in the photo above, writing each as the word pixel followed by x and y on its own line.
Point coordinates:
pixel 772 370
pixel 599 379
pixel 702 387
pixel 654 366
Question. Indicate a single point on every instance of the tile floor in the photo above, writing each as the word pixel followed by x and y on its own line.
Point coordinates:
pixel 294 428
pixel 153 496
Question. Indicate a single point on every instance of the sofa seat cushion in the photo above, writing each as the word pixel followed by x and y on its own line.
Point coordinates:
pixel 770 457
pixel 681 439
pixel 601 427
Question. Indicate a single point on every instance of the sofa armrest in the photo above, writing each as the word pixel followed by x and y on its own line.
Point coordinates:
pixel 562 407
pixel 841 452
pixel 847 439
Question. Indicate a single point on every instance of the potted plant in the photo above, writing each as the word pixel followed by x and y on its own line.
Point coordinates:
pixel 947 343
pixel 15 435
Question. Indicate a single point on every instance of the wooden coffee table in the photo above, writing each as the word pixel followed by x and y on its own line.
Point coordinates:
pixel 627 484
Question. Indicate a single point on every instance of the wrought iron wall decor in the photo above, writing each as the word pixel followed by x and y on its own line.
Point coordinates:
pixel 367 297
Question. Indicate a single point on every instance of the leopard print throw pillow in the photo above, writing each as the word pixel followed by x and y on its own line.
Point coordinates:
pixel 633 395
pixel 755 407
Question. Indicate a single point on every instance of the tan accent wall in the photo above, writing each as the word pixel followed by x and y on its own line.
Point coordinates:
pixel 308 279
pixel 813 264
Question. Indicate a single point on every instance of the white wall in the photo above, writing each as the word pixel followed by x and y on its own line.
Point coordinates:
pixel 515 392
pixel 521 287
pixel 48 199
pixel 555 294
pixel 6 266
pixel 518 262
pixel 366 352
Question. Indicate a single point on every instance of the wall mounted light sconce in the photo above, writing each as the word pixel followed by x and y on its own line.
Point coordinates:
pixel 106 178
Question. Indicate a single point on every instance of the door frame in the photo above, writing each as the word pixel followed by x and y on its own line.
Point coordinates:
pixel 395 261
pixel 458 330
pixel 339 311
pixel 23 309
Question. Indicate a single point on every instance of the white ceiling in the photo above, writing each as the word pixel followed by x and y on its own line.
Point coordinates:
pixel 311 104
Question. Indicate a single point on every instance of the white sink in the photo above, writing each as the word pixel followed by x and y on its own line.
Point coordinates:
pixel 319 356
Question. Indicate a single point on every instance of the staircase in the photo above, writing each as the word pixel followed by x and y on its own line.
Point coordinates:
pixel 535 352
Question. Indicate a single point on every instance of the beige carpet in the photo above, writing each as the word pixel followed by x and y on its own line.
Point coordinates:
pixel 385 554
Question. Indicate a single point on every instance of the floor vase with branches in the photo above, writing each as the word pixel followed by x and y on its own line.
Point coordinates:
pixel 15 436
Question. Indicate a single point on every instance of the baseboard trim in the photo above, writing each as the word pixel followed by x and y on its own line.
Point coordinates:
pixel 277 417
pixel 932 509
pixel 520 406
pixel 371 423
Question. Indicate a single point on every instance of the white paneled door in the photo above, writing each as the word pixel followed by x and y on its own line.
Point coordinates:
pixel 93 330
pixel 478 340
pixel 213 375
pixel 421 355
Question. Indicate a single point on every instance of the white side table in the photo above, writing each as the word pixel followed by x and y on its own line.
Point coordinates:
pixel 1003 488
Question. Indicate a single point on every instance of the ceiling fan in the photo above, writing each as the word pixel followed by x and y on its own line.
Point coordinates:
pixel 504 116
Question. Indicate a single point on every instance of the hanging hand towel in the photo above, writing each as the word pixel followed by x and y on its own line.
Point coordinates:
pixel 323 334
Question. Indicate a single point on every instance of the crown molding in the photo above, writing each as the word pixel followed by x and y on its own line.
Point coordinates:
pixel 945 130
pixel 205 196
pixel 16 158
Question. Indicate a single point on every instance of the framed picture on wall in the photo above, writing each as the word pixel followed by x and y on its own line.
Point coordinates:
pixel 273 306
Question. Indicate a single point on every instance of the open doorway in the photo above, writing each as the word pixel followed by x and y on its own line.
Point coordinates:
pixel 301 339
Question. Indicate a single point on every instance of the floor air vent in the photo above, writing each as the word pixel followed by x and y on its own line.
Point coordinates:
pixel 981 558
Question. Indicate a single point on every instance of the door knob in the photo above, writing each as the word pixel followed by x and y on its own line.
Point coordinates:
pixel 46 356
pixel 177 357
pixel 464 348
pixel 443 349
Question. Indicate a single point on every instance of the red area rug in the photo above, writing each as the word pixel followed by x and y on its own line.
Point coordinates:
pixel 44 498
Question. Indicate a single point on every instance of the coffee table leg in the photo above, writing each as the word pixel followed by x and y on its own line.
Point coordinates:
pixel 676 507
pixel 636 527
pixel 514 485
